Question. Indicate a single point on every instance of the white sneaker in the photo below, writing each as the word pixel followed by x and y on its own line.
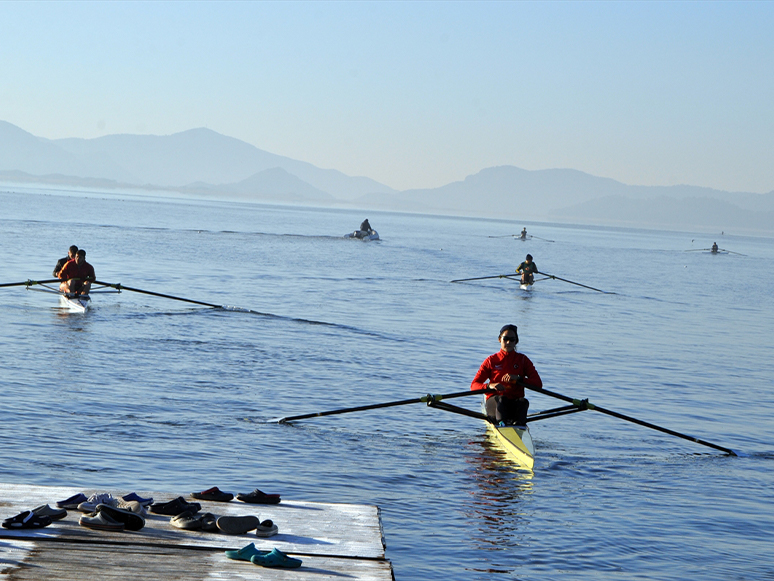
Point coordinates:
pixel 90 505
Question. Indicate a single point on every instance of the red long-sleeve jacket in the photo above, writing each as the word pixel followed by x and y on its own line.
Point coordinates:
pixel 496 366
pixel 84 271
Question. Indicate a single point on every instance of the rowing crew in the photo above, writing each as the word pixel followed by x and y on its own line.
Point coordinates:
pixel 75 273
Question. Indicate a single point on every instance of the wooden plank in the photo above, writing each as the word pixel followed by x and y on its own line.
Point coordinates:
pixel 333 540
pixel 68 561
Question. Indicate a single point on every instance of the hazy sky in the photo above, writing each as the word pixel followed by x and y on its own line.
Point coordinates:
pixel 414 94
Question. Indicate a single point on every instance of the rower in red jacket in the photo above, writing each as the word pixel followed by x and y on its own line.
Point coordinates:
pixel 504 371
pixel 77 275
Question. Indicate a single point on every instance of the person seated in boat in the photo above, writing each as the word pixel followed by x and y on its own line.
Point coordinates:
pixel 365 229
pixel 77 275
pixel 527 270
pixel 714 248
pixel 524 233
pixel 62 261
pixel 507 371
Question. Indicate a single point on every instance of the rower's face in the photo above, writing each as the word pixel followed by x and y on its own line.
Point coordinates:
pixel 78 258
pixel 508 341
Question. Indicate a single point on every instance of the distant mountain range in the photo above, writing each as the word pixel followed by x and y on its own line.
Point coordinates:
pixel 203 162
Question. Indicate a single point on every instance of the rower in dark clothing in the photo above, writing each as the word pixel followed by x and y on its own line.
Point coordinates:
pixel 62 261
pixel 365 226
pixel 527 270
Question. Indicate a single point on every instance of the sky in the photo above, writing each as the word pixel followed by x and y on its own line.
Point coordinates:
pixel 414 94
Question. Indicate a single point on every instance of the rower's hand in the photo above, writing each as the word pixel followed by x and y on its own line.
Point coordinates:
pixel 509 378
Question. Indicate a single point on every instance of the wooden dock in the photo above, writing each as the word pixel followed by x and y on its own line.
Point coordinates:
pixel 334 541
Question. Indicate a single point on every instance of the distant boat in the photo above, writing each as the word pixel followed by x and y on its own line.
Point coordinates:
pixel 363 235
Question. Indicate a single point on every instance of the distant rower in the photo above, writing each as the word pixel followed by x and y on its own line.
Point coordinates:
pixel 527 270
pixel 524 233
pixel 714 249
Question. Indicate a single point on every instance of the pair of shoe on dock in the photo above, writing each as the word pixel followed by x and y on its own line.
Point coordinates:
pixel 274 558
pixel 254 497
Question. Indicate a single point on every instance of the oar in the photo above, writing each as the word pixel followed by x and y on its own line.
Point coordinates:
pixel 731 252
pixel 428 399
pixel 576 283
pixel 504 236
pixel 485 277
pixel 30 282
pixel 584 404
pixel 699 250
pixel 120 287
pixel 539 238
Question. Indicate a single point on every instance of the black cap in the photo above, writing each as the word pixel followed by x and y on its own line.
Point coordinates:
pixel 509 328
pixel 529 257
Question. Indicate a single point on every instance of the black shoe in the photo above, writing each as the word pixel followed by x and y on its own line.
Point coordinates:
pixel 214 494
pixel 175 507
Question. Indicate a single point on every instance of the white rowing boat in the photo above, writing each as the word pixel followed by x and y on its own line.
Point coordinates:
pixel 77 304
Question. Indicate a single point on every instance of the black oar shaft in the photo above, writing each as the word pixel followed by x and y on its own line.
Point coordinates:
pixel 575 283
pixel 584 404
pixel 30 282
pixel 120 287
pixel 425 399
pixel 485 277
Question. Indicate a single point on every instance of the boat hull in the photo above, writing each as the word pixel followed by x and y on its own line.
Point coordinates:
pixel 517 443
pixel 78 304
pixel 363 235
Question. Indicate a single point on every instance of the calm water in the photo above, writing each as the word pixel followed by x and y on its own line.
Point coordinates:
pixel 155 394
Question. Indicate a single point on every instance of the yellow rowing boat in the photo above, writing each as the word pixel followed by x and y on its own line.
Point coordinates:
pixel 517 443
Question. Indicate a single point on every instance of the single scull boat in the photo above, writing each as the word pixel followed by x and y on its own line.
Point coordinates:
pixel 78 304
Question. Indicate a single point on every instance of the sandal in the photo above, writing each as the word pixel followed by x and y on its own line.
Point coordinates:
pixel 275 558
pixel 258 497
pixel 27 520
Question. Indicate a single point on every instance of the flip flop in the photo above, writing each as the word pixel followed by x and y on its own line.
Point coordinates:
pixel 266 529
pixel 276 559
pixel 245 553
pixel 258 497
pixel 27 520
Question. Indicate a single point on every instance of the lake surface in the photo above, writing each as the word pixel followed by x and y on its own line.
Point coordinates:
pixel 155 394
